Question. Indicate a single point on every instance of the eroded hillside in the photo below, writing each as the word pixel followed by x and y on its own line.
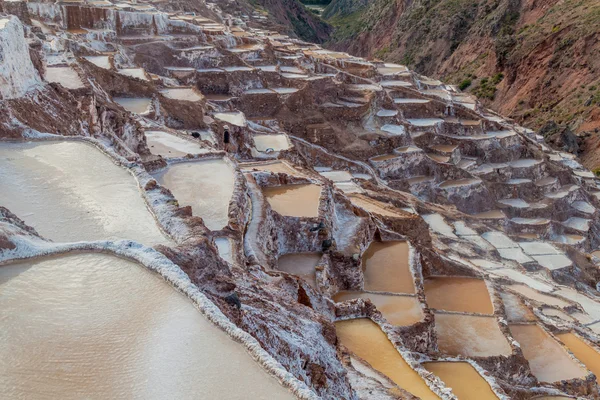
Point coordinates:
pixel 535 61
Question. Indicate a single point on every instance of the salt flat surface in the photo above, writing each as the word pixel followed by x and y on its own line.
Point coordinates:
pixel 274 142
pixel 66 76
pixel 134 73
pixel 136 105
pixel 438 224
pixel 167 145
pixel 99 61
pixel 187 94
pixel 70 191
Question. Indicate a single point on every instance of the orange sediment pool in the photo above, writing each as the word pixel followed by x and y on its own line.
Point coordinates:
pixel 397 310
pixel 458 294
pixel 588 355
pixel 465 381
pixel 549 362
pixel 386 268
pixel 364 338
pixel 294 200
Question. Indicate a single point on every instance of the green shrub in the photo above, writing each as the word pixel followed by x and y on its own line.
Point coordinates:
pixel 465 84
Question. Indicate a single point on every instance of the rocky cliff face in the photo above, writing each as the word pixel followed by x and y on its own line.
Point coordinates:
pixel 532 60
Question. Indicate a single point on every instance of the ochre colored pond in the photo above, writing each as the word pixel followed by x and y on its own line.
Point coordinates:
pixel 364 338
pixel 458 294
pixel 386 269
pixel 94 326
pixel 397 310
pixel 294 200
pixel 465 381
pixel 583 351
pixel 470 335
pixel 549 362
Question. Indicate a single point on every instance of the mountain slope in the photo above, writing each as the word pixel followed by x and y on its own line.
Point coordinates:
pixel 533 60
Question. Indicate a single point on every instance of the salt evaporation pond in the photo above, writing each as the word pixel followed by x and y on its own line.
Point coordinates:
pixel 136 105
pixel 167 145
pixel 465 381
pixel 364 338
pixel 95 326
pixel 272 142
pixel 397 310
pixel 206 186
pixel 301 264
pixel 458 294
pixel 100 61
pixel 549 362
pixel 470 335
pixel 587 354
pixel 186 94
pixel 294 200
pixel 386 268
pixel 66 76
pixel 70 191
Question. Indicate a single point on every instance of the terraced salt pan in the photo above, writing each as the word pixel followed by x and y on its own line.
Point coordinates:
pixel 458 294
pixel 284 90
pixel 70 191
pixel 438 224
pixel 584 207
pixel 470 335
pixel 397 310
pixel 138 73
pixel 394 130
pixel 236 118
pixel 590 306
pixel 372 206
pixel 499 240
pixel 516 203
pixel 66 76
pixel 552 262
pixel 387 113
pixel 549 362
pixel 301 264
pixel 264 143
pixel 516 311
pixel 225 248
pixel 486 264
pixel 167 145
pixel 112 329
pixel 425 121
pixel 522 278
pixel 492 214
pixel 524 163
pixel 100 61
pixel 587 354
pixel 440 159
pixel 365 339
pixel 552 312
pixel 411 101
pixel 579 224
pixel 463 379
pixel 386 268
pixel 337 176
pixel 206 186
pixel 186 94
pixel 459 183
pixel 273 166
pixel 136 105
pixel 294 200
pixel 531 294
